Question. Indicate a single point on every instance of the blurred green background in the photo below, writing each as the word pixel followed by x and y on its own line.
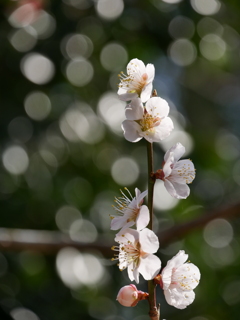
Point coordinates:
pixel 64 159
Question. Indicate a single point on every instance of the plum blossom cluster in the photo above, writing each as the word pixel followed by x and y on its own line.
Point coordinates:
pixel 147 117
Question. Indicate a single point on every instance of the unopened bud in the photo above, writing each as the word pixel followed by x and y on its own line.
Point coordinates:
pixel 129 296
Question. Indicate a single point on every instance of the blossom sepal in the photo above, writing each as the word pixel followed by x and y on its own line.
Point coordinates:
pixel 129 296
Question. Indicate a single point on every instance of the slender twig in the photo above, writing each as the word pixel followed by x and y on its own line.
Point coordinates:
pixel 154 310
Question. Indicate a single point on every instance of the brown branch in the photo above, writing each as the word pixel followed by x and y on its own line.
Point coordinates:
pixel 180 230
pixel 49 242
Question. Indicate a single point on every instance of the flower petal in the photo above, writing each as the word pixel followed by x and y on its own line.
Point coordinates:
pixel 177 190
pixel 178 150
pixel 157 107
pixel 142 218
pixel 190 275
pixel 126 235
pixel 150 70
pixel 179 299
pixel 148 241
pixel 131 130
pixel 149 266
pixel 136 66
pixel 163 130
pixel 146 92
pixel 126 96
pixel 167 168
pixel 134 110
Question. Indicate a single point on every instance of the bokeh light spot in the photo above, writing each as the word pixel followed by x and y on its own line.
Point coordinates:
pixel 24 39
pixel 112 111
pixel 23 314
pixel 212 47
pixel 109 9
pixel 218 233
pixel 206 7
pixel 125 171
pixel 181 27
pixel 113 57
pixel 77 45
pixel 15 160
pixel 20 129
pixel 37 105
pixel 83 230
pixel 182 52
pixel 65 216
pixel 166 201
pixel 79 72
pixel 37 68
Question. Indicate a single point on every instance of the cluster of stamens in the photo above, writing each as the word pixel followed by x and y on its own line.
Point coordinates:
pixel 186 173
pixel 128 253
pixel 184 281
pixel 133 82
pixel 122 204
pixel 149 122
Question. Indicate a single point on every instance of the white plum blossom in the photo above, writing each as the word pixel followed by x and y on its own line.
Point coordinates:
pixel 129 295
pixel 131 211
pixel 179 279
pixel 150 121
pixel 136 250
pixel 176 174
pixel 137 82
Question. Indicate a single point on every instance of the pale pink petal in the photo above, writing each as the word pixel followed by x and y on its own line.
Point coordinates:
pixel 118 223
pixel 189 275
pixel 178 150
pixel 163 130
pixel 133 273
pixel 142 218
pixel 157 107
pixel 167 165
pixel 141 196
pixel 179 299
pixel 146 92
pixel 149 266
pixel 134 110
pixel 130 272
pixel 126 96
pixel 136 66
pixel 126 235
pixel 177 190
pixel 131 130
pixel 150 70
pixel 148 241
pixel 149 135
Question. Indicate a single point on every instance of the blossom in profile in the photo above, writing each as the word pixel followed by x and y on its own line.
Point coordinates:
pixel 135 252
pixel 178 279
pixel 176 174
pixel 137 82
pixel 130 211
pixel 150 122
pixel 129 296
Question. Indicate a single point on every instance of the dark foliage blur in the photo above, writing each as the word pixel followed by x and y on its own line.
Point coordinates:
pixel 63 156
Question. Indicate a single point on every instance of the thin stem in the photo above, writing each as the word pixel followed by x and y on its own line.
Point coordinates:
pixel 154 310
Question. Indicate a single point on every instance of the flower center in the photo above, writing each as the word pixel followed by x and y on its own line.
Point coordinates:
pixel 128 253
pixel 148 122
pixel 132 83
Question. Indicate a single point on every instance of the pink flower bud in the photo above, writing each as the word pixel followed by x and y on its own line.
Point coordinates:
pixel 129 296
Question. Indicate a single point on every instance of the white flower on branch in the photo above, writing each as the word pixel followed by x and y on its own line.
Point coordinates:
pixel 150 122
pixel 176 174
pixel 129 296
pixel 131 211
pixel 136 250
pixel 178 281
pixel 137 82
